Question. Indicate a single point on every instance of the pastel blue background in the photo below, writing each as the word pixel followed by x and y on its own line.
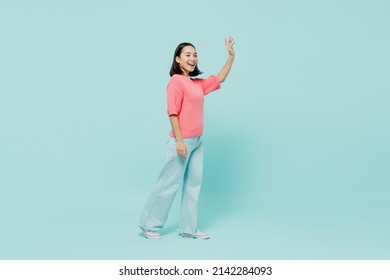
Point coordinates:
pixel 297 140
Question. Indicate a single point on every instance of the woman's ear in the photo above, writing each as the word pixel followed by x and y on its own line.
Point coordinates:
pixel 177 59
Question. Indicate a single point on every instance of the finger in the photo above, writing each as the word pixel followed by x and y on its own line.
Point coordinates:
pixel 228 44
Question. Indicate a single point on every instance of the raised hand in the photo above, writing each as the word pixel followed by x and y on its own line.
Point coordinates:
pixel 229 43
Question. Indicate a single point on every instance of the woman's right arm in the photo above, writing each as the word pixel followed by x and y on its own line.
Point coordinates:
pixel 180 146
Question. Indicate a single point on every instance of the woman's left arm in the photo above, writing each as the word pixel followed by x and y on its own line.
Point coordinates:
pixel 228 65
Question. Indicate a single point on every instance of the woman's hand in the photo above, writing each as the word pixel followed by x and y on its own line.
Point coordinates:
pixel 181 148
pixel 229 43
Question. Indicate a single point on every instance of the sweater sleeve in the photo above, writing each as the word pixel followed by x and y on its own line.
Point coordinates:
pixel 174 100
pixel 210 84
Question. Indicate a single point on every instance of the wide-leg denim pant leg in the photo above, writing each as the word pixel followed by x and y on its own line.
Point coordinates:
pixel 176 172
pixel 191 189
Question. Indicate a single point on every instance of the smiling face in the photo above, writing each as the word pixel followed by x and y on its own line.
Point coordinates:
pixel 187 60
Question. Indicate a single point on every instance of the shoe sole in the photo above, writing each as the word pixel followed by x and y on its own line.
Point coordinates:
pixel 149 236
pixel 187 235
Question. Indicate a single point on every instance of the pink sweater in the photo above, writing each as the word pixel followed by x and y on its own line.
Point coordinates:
pixel 185 98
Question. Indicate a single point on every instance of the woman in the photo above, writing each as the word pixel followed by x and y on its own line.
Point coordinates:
pixel 184 160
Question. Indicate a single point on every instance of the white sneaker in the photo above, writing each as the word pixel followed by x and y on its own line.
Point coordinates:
pixel 150 234
pixel 197 235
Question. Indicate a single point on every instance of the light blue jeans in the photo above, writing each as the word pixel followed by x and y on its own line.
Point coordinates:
pixel 177 171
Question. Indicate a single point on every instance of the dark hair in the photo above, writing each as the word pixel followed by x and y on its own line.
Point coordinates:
pixel 175 69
